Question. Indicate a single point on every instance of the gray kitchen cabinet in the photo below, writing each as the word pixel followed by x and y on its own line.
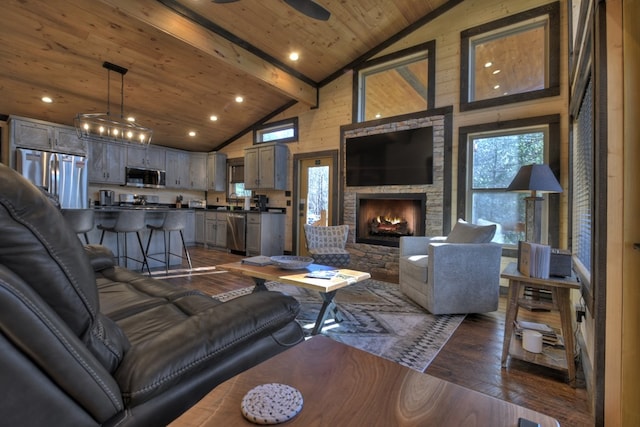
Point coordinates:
pixel 41 135
pixel 216 172
pixel 30 134
pixel 146 157
pixel 186 170
pixel 106 159
pixel 198 171
pixel 189 231
pixel 199 227
pixel 177 169
pixel 265 167
pixel 265 233
pixel 216 229
pixel 66 140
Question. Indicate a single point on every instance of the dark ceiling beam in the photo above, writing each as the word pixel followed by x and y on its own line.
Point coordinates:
pixel 357 63
pixel 410 77
pixel 157 15
pixel 212 26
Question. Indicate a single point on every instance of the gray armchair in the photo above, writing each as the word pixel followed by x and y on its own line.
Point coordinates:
pixel 326 244
pixel 452 275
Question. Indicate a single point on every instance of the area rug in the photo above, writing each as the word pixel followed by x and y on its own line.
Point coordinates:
pixel 378 319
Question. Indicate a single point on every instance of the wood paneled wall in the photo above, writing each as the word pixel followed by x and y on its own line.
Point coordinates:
pixel 319 128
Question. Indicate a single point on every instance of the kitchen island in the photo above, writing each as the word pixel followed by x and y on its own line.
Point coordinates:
pixel 263 232
pixel 154 215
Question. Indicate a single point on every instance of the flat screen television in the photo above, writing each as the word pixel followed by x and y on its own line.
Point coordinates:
pixel 402 157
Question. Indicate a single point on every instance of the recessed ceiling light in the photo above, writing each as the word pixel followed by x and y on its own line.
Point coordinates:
pixel 496 71
pixel 378 116
pixel 496 87
pixel 294 56
pixel 488 64
pixel 213 118
pixel 192 133
pixel 239 99
pixel 131 119
pixel 47 99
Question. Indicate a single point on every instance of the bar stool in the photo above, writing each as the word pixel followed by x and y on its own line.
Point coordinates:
pixel 127 221
pixel 80 220
pixel 174 220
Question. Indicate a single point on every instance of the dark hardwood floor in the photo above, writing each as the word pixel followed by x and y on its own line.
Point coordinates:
pixel 471 358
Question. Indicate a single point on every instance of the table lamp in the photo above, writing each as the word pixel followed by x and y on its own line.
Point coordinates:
pixel 535 179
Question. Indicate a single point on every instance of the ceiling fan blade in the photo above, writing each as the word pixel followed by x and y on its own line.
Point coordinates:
pixel 310 8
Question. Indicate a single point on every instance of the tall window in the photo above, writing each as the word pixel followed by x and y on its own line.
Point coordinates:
pixel 492 157
pixel 511 60
pixel 396 84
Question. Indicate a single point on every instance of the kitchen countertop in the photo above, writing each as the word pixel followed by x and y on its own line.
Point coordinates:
pixel 164 208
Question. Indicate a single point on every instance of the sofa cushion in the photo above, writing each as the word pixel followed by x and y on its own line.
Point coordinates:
pixel 38 246
pixel 464 232
pixel 415 266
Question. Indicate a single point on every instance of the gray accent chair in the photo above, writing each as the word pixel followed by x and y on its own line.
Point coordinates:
pixel 326 244
pixel 458 274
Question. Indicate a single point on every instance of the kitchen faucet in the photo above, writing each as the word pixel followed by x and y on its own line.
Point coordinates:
pixel 236 198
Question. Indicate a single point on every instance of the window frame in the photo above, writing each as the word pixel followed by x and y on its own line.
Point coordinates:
pixel 391 61
pixel 511 23
pixel 231 163
pixel 552 158
pixel 260 131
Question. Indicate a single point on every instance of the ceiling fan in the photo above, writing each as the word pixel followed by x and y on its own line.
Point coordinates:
pixel 307 7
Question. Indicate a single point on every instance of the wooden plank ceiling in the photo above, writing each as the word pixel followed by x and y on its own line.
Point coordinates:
pixel 180 70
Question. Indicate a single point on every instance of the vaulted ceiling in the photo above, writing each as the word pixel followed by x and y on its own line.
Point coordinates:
pixel 187 59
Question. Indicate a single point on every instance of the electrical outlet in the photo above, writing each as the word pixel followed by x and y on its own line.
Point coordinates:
pixel 580 313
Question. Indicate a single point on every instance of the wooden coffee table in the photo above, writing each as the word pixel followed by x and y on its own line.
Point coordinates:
pixel 326 287
pixel 344 386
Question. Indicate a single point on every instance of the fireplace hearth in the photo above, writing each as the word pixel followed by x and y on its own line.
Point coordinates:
pixel 381 219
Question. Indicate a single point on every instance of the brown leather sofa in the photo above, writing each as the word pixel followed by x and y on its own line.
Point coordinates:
pixel 86 343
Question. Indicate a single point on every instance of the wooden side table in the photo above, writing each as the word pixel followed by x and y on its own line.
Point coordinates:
pixel 559 288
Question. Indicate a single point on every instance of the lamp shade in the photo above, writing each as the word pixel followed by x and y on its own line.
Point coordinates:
pixel 535 178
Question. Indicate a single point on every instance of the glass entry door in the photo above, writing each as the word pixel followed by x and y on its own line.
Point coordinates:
pixel 315 204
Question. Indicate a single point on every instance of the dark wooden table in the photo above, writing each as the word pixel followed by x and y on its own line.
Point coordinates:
pixel 344 386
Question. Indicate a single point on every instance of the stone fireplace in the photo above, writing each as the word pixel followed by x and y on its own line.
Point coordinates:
pixel 381 219
pixel 376 249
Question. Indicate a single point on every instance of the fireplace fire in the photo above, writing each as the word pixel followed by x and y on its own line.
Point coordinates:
pixel 382 219
pixel 393 226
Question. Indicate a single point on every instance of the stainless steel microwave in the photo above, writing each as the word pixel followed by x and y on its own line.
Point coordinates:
pixel 149 178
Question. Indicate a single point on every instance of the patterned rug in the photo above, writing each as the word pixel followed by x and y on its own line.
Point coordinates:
pixel 378 319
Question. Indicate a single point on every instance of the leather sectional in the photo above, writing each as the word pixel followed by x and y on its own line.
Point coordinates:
pixel 84 342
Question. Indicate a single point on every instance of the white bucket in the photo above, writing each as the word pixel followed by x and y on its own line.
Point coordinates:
pixel 532 341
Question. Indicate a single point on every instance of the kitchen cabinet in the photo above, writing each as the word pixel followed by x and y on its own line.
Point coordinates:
pixel 198 171
pixel 199 227
pixel 146 157
pixel 105 162
pixel 216 229
pixel 265 167
pixel 189 231
pixel 41 135
pixel 66 140
pixel 265 233
pixel 216 172
pixel 177 169
pixel 186 170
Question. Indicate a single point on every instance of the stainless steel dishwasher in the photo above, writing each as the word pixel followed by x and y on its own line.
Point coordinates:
pixel 236 230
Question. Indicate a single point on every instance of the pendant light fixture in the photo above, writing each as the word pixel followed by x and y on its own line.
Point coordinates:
pixel 104 125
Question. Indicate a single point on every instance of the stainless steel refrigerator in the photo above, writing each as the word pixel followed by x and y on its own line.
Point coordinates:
pixel 62 175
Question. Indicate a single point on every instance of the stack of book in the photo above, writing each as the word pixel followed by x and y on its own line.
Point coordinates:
pixel 549 335
pixel 534 259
